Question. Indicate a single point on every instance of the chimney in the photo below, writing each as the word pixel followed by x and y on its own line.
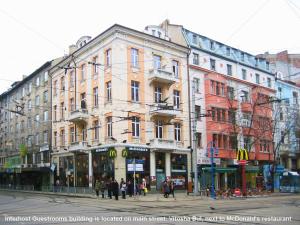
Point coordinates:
pixel 72 49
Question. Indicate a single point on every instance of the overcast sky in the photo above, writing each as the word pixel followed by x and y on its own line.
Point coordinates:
pixel 34 31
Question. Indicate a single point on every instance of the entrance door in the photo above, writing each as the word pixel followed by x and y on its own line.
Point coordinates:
pixel 160 178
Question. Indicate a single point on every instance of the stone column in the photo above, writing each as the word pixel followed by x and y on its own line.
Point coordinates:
pixel 33 158
pixel 120 166
pixel 168 164
pixel 90 169
pixel 289 163
pixel 152 171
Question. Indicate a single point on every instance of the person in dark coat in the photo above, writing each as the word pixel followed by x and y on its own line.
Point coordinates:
pixel 109 188
pixel 166 189
pixel 102 188
pixel 172 188
pixel 130 188
pixel 115 189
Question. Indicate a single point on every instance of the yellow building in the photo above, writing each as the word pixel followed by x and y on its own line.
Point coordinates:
pixel 121 96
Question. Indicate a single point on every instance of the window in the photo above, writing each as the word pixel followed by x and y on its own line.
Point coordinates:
pixel 45 136
pixel 95 96
pixel 72 79
pixel 295 98
pixel 257 78
pixel 230 92
pixel 55 113
pixel 62 137
pixel 233 142
pixel 135 126
pixel 175 68
pixel 95 66
pixel 159 129
pixel 45 116
pixel 55 88
pixel 227 51
pixel 177 131
pixel 231 116
pixel 37 139
pixel 96 129
pixel 108 91
pixel 282 137
pixel 157 94
pixel 242 56
pixel 29 123
pixel 267 65
pixel 46 76
pixel 281 114
pixel 135 91
pixel 245 96
pixel 157 62
pixel 108 57
pixel 197 85
pixel 29 87
pixel 109 126
pixel 199 140
pixel 212 87
pixel 37 82
pixel 269 82
pixel 45 96
pixel 244 74
pixel 176 99
pixel 83 101
pixel 29 105
pixel 55 138
pixel 212 45
pixel 194 39
pixel 37 120
pixel 72 135
pixel 159 34
pixel 83 73
pixel 229 70
pixel 37 100
pixel 134 57
pixel 62 106
pixel 195 59
pixel 213 64
pixel 72 104
pixel 197 112
pixel 23 91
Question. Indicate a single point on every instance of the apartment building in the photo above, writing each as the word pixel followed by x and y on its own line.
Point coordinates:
pixel 25 130
pixel 121 99
pixel 230 94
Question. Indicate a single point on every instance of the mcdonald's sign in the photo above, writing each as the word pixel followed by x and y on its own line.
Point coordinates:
pixel 112 153
pixel 125 152
pixel 242 154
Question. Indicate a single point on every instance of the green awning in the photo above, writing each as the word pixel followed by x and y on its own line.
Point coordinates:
pixel 220 169
pixel 252 169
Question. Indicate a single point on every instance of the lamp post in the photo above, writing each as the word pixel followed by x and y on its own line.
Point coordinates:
pixel 213 152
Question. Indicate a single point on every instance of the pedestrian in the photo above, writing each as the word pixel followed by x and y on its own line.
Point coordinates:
pixel 115 189
pixel 172 188
pixel 57 184
pixel 102 188
pixel 130 188
pixel 109 188
pixel 166 189
pixel 123 189
pixel 144 186
pixel 97 188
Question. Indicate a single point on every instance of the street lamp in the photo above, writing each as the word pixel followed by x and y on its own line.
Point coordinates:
pixel 213 153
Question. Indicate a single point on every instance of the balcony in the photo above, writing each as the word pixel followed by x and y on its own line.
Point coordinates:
pixel 79 116
pixel 162 76
pixel 164 110
pixel 165 144
pixel 44 147
pixel 78 146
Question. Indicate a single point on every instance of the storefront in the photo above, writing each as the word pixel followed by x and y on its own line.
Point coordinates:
pixel 66 171
pixel 103 165
pixel 179 170
pixel 82 170
pixel 160 165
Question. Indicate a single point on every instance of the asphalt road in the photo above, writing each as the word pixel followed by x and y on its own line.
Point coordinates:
pixel 27 208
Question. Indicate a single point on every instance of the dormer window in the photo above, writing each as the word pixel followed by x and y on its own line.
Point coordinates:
pixel 242 56
pixel 228 51
pixel 153 32
pixel 159 34
pixel 194 39
pixel 268 65
pixel 212 45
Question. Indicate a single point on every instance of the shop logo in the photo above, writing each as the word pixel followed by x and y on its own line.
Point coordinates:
pixel 125 153
pixel 242 154
pixel 112 153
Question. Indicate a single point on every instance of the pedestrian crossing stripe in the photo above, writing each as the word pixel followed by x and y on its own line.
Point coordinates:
pixel 242 154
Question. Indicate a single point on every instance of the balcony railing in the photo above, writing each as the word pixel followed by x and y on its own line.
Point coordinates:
pixel 78 116
pixel 78 146
pixel 162 76
pixel 44 147
pixel 162 109
pixel 165 144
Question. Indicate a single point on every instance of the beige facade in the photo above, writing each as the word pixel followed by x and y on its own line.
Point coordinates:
pixel 126 91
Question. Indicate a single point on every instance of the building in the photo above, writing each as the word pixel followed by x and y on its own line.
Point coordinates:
pixel 120 98
pixel 231 91
pixel 25 130
pixel 287 113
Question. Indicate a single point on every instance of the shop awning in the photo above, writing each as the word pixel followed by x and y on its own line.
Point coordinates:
pixel 252 169
pixel 220 169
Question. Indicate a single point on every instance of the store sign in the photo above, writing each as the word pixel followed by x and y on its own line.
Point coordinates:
pixel 101 150
pixel 138 149
pixel 207 161
pixel 137 165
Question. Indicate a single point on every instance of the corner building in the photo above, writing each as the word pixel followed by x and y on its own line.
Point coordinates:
pixel 117 98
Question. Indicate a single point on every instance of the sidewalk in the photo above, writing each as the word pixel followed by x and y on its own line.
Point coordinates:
pixel 150 197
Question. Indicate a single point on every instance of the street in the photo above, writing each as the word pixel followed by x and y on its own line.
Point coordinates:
pixel 29 208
